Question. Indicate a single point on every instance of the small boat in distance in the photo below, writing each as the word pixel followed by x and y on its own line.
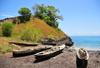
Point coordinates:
pixel 82 54
pixel 50 52
pixel 29 51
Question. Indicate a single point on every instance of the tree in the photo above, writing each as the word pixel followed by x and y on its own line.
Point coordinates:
pixel 48 14
pixel 24 11
pixel 7 28
pixel 26 14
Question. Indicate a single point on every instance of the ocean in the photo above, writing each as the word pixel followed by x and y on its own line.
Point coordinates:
pixel 86 42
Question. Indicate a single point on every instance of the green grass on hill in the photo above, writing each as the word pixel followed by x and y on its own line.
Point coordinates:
pixel 5 46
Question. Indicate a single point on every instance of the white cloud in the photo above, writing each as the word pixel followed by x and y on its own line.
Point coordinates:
pixel 95 33
pixel 7 15
pixel 79 32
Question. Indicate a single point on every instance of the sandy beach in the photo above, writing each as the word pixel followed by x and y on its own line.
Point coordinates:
pixel 67 59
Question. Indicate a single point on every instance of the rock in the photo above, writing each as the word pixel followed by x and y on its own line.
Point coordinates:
pixel 97 61
pixel 66 40
pixel 53 58
pixel 69 43
pixel 99 53
pixel 62 56
pixel 70 49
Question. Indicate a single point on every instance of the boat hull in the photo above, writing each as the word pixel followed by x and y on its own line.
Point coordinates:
pixel 24 44
pixel 81 63
pixel 83 58
pixel 27 52
pixel 48 56
pixel 49 53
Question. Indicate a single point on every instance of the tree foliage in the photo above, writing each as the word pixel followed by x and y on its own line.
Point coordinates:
pixel 48 14
pixel 24 11
pixel 7 29
pixel 26 14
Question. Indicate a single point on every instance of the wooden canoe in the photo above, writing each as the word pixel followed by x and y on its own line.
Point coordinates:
pixel 82 54
pixel 29 51
pixel 25 44
pixel 50 52
pixel 82 58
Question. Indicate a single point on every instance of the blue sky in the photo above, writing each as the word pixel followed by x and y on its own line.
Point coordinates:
pixel 81 17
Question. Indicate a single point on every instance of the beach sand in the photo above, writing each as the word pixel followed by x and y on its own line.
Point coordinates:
pixel 67 59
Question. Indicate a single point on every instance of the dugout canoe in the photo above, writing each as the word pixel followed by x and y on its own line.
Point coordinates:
pixel 25 44
pixel 29 51
pixel 50 52
pixel 82 54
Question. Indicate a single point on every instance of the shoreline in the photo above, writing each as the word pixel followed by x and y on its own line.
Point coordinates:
pixel 88 49
pixel 67 59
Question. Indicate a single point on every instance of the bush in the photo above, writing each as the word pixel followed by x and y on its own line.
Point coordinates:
pixel 59 29
pixel 7 29
pixel 58 44
pixel 31 34
pixel 16 20
pixel 21 19
pixel 7 48
pixel 50 37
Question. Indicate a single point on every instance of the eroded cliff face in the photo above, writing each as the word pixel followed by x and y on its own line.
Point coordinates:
pixel 66 40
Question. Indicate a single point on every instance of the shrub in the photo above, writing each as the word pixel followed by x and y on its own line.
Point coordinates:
pixel 58 44
pixel 7 29
pixel 16 20
pixel 23 19
pixel 50 37
pixel 31 34
pixel 7 48
pixel 59 29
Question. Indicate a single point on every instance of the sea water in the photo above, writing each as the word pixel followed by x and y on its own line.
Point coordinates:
pixel 87 42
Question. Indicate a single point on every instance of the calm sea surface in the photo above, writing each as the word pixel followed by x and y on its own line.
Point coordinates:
pixel 87 42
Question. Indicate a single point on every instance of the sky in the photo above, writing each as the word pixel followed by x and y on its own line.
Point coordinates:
pixel 81 17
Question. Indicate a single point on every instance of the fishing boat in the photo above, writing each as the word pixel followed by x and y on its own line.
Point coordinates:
pixel 82 54
pixel 29 51
pixel 50 52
